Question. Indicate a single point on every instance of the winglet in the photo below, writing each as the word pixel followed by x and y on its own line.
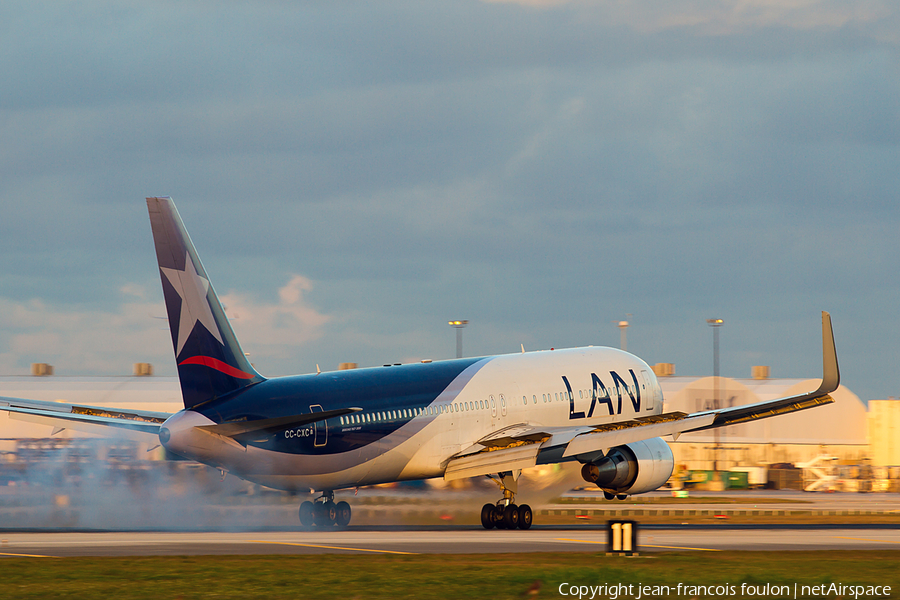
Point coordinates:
pixel 831 375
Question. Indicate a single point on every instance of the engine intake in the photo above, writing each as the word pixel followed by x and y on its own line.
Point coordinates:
pixel 634 468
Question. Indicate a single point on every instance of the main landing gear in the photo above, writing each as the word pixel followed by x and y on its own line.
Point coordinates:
pixel 324 512
pixel 505 514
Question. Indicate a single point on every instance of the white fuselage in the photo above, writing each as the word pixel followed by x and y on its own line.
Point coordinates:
pixel 576 389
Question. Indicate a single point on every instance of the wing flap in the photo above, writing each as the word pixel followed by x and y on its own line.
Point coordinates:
pixel 512 434
pixel 617 434
pixel 492 461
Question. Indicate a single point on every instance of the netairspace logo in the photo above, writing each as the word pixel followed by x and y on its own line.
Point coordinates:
pixel 615 591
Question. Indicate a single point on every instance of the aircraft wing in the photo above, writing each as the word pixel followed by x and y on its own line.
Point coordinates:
pixel 518 446
pixel 81 417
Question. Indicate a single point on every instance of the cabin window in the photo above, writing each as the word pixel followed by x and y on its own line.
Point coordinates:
pixel 534 399
pixel 524 400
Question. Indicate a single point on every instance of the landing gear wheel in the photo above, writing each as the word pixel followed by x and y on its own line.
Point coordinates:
pixel 487 516
pixel 622 497
pixel 306 514
pixel 511 516
pixel 342 514
pixel 324 513
pixel 525 517
pixel 330 512
pixel 499 523
pixel 608 495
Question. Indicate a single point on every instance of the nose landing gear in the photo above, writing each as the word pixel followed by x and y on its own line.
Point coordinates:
pixel 324 512
pixel 505 514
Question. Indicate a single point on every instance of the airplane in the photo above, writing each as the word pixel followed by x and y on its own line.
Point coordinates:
pixel 488 416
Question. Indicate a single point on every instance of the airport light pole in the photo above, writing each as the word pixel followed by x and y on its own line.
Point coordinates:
pixel 715 324
pixel 458 325
pixel 623 330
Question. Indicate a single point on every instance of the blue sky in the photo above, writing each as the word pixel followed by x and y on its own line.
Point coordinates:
pixel 355 176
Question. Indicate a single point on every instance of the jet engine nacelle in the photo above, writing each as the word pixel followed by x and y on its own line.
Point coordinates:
pixel 633 468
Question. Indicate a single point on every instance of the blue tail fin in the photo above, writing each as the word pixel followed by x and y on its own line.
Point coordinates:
pixel 209 357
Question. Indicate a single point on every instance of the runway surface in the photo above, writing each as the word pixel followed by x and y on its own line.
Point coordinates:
pixel 438 540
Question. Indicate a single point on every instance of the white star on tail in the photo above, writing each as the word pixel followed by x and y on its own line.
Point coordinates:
pixel 194 306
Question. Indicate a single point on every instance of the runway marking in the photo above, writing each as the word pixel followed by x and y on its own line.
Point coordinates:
pixel 681 548
pixel 866 540
pixel 330 547
pixel 640 545
pixel 26 555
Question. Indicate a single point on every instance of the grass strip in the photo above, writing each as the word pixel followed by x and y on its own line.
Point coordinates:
pixel 495 576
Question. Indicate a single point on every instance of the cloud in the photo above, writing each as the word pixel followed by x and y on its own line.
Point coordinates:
pixel 540 170
pixel 270 328
pixel 726 17
pixel 82 341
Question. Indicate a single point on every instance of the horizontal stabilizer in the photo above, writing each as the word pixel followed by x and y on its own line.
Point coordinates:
pixel 237 428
